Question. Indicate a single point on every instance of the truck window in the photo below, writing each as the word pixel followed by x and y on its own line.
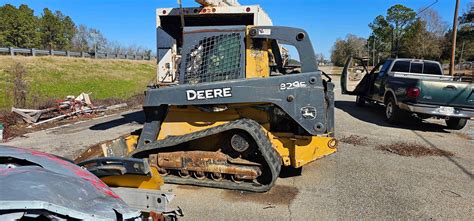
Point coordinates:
pixel 416 68
pixel 401 66
pixel 432 68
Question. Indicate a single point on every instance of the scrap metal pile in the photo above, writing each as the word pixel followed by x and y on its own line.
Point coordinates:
pixel 62 109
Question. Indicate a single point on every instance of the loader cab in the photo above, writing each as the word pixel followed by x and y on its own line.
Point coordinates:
pixel 170 36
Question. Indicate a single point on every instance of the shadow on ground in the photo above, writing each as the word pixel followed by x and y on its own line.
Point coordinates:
pixel 134 117
pixel 452 159
pixel 374 114
pixel 288 172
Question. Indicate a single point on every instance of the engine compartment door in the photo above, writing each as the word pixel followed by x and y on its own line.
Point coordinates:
pixel 354 72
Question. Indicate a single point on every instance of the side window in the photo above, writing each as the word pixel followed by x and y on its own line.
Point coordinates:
pixel 432 68
pixel 377 70
pixel 384 68
pixel 401 66
pixel 416 68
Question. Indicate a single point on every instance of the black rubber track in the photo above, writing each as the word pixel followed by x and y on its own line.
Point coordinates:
pixel 270 155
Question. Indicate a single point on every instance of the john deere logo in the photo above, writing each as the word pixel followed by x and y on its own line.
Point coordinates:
pixel 208 94
pixel 308 112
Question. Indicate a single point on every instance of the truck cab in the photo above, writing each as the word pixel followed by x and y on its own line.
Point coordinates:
pixel 410 87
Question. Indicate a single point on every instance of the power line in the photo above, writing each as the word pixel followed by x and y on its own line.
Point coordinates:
pixel 427 7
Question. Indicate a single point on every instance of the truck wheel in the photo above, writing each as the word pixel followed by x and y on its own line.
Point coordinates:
pixel 456 123
pixel 360 102
pixel 393 114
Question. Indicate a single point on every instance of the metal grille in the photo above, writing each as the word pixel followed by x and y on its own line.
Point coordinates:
pixel 215 58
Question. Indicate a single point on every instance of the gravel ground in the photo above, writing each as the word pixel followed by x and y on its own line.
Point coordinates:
pixel 359 181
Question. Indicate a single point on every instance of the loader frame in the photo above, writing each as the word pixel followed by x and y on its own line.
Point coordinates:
pixel 292 93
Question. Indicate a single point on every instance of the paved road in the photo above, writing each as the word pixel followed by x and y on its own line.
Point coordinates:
pixel 356 182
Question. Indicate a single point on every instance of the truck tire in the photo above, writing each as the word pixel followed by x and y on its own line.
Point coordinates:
pixel 360 102
pixel 393 114
pixel 456 123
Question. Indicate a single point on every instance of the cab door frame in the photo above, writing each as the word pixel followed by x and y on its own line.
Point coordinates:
pixel 346 75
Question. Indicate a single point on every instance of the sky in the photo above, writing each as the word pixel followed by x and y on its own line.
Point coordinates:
pixel 132 22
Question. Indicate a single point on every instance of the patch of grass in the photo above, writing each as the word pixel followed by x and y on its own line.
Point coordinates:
pixel 57 77
pixel 412 150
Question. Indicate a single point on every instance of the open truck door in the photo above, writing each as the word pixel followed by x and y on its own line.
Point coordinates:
pixel 354 75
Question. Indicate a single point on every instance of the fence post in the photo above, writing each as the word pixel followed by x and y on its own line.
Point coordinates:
pixel 12 51
pixel 82 54
pixel 51 52
pixel 68 54
pixel 33 52
pixel 95 55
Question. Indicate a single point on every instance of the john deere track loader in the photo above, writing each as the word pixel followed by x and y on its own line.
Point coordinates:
pixel 228 111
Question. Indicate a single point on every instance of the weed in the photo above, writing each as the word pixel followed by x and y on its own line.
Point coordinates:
pixel 20 87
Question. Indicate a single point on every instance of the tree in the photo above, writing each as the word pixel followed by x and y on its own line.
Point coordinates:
pixel 400 19
pixel 18 27
pixel 380 40
pixel 57 30
pixel 425 37
pixel 434 22
pixel 420 43
pixel 67 32
pixel 320 58
pixel 97 41
pixel 390 30
pixel 115 48
pixel 465 35
pixel 351 46
pixel 80 41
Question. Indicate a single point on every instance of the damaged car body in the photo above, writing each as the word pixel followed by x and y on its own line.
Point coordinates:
pixel 37 185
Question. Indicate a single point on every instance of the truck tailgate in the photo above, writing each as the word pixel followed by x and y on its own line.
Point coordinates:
pixel 446 93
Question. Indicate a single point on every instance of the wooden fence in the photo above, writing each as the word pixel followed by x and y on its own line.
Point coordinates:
pixel 37 52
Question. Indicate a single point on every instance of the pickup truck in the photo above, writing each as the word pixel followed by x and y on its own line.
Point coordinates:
pixel 410 87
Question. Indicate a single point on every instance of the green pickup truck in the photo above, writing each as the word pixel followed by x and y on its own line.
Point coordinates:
pixel 410 87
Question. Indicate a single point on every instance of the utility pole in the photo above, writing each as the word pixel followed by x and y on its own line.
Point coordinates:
pixel 453 46
pixel 373 52
pixel 368 52
pixel 181 14
pixel 462 52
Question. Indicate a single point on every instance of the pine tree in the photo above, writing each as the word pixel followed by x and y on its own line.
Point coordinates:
pixel 18 27
pixel 57 30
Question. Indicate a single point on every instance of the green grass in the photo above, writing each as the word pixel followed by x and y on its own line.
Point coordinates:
pixel 57 77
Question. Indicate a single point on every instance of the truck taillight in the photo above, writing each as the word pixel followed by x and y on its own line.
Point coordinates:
pixel 413 92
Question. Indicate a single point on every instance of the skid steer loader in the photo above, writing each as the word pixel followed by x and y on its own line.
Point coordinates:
pixel 228 111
